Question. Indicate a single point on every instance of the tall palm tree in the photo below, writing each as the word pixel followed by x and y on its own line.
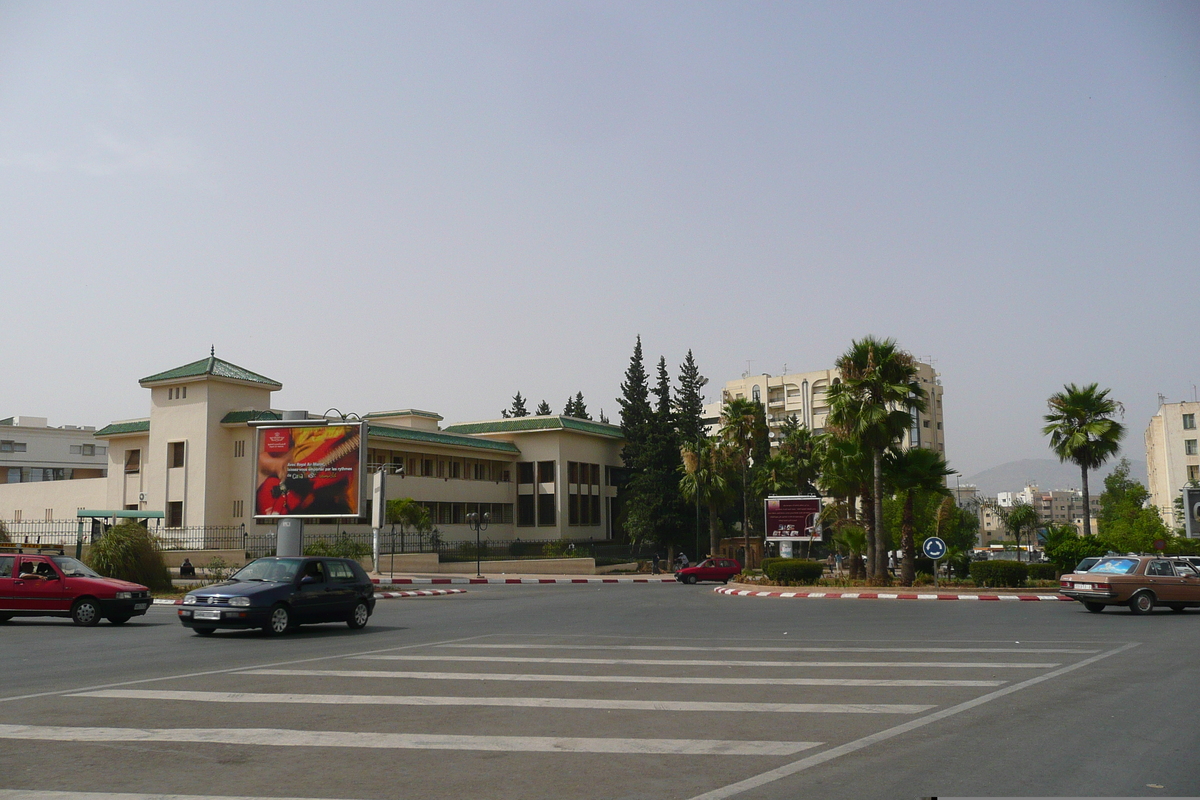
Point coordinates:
pixel 1019 518
pixel 739 418
pixel 705 480
pixel 909 472
pixel 1082 431
pixel 873 403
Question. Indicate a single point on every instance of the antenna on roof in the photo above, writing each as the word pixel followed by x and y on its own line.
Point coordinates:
pixel 212 351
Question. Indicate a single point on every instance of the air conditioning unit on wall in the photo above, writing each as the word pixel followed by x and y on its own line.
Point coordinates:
pixel 141 497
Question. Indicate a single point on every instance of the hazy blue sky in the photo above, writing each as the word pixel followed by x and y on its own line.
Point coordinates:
pixel 435 205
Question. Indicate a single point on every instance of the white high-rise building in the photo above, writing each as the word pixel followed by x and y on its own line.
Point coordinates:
pixel 1172 455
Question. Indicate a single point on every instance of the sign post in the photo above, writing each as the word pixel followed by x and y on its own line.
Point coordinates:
pixel 934 547
pixel 1191 512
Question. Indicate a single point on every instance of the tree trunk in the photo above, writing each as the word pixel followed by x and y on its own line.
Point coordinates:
pixel 714 540
pixel 908 569
pixel 1087 507
pixel 869 525
pixel 881 544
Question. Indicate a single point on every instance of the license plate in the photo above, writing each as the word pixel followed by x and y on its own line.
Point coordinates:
pixel 140 606
pixel 206 613
pixel 1083 586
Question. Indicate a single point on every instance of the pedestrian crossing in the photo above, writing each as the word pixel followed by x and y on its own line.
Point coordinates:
pixel 730 713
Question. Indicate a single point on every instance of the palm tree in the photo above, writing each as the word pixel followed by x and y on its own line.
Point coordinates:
pixel 1082 430
pixel 1018 518
pixel 853 540
pixel 909 472
pixel 739 420
pixel 873 404
pixel 705 469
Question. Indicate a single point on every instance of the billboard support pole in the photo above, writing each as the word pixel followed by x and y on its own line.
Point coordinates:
pixel 291 537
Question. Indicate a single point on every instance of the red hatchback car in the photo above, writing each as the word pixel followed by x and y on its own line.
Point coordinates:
pixel 711 569
pixel 39 583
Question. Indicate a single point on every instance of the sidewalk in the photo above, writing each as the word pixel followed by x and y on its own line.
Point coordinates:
pixel 410 579
pixel 889 593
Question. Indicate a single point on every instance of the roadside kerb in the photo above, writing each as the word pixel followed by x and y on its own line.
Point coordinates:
pixel 522 580
pixel 378 595
pixel 737 591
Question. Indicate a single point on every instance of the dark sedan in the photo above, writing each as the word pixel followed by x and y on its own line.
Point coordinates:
pixel 278 594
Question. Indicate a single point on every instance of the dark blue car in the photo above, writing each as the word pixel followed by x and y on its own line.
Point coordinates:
pixel 278 594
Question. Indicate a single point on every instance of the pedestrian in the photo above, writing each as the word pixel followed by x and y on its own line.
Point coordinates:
pixel 837 559
pixel 654 565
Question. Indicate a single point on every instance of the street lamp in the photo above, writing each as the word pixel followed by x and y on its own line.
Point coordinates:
pixel 478 522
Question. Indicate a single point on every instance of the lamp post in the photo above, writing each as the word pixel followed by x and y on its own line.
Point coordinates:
pixel 478 522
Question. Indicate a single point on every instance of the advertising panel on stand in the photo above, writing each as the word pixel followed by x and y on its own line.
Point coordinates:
pixel 1191 512
pixel 793 519
pixel 309 470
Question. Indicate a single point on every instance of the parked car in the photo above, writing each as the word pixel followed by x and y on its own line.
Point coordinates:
pixel 279 594
pixel 710 569
pixel 45 583
pixel 1140 582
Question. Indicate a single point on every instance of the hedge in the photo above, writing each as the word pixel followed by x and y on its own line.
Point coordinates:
pixel 999 573
pixel 793 570
pixel 1043 572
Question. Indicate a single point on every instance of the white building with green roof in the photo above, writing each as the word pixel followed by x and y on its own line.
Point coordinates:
pixel 192 458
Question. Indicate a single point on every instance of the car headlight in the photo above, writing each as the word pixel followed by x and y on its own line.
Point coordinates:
pixel 239 601
pixel 190 600
pixel 124 595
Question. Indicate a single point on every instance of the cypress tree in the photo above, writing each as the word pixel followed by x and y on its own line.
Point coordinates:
pixel 543 409
pixel 689 402
pixel 635 408
pixel 518 407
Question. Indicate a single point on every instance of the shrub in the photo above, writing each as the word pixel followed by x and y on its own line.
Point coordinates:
pixel 1042 572
pixel 794 570
pixel 999 573
pixel 127 552
pixel 4 533
pixel 767 562
pixel 563 549
pixel 341 547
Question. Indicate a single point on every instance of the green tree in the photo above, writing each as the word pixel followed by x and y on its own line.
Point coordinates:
pixel 409 515
pixel 1127 524
pixel 873 404
pixel 1065 547
pixel 543 409
pixel 706 465
pixel 689 401
pixel 739 419
pixel 1020 518
pixel 517 409
pixel 908 472
pixel 1082 431
pixel 576 407
pixel 128 551
pixel 635 407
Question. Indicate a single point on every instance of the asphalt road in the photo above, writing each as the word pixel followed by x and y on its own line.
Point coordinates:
pixel 612 691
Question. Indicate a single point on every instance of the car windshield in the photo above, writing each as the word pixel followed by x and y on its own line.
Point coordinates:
pixel 1116 566
pixel 1185 569
pixel 1086 564
pixel 281 570
pixel 74 568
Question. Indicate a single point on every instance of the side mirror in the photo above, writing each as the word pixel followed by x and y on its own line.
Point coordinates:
pixel 307 579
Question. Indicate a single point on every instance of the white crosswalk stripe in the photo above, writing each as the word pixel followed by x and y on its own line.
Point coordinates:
pixel 728 649
pixel 715 707
pixel 275 737
pixel 683 662
pixel 647 679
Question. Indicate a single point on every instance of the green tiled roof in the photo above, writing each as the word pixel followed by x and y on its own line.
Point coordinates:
pixel 522 424
pixel 438 437
pixel 415 412
pixel 211 366
pixel 119 428
pixel 234 417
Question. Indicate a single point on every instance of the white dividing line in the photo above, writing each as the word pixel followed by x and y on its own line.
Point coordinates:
pixel 668 647
pixel 674 662
pixel 41 794
pixel 508 702
pixel 276 737
pixel 535 678
pixel 771 776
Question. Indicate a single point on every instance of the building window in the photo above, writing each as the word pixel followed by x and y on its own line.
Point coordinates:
pixel 925 423
pixel 89 450
pixel 525 511
pixel 237 509
pixel 455 470
pixel 175 455
pixel 546 513
pixel 49 515
pixel 1189 422
pixel 525 472
pixel 1189 447
pixel 756 394
pixel 12 447
pixel 17 515
pixel 14 474
pixel 239 448
pixel 133 461
pixel 175 514
pixel 76 449
pixel 545 472
pixel 427 467
pixel 1193 473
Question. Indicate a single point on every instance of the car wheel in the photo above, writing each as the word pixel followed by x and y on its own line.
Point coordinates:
pixel 85 612
pixel 120 619
pixel 204 631
pixel 726 580
pixel 1141 603
pixel 359 616
pixel 279 621
pixel 690 579
pixel 1095 608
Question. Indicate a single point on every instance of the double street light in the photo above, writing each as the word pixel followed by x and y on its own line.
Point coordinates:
pixel 478 522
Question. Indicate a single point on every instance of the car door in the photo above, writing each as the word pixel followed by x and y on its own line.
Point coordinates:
pixel 311 601
pixel 1160 576
pixel 6 583
pixel 42 592
pixel 1189 582
pixel 343 589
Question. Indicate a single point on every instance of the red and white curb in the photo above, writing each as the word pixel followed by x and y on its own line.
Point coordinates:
pixel 889 595
pixel 522 581
pixel 378 595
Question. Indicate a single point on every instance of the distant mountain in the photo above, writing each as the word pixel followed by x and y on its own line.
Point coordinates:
pixel 1047 473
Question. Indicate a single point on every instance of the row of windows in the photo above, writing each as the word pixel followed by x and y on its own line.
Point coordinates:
pixel 525 472
pixel 536 510
pixel 38 474
pixel 178 393
pixel 88 450
pixel 456 513
pixel 7 446
pixel 583 509
pixel 583 474
pixel 421 465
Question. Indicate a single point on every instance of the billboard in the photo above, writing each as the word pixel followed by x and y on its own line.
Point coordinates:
pixel 1191 512
pixel 309 470
pixel 793 519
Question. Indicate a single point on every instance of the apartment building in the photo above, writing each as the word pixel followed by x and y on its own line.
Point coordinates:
pixel 1172 455
pixel 32 453
pixel 193 460
pixel 804 396
pixel 1053 507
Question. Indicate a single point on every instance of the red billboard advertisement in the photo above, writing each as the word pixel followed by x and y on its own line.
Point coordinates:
pixel 309 471
pixel 793 519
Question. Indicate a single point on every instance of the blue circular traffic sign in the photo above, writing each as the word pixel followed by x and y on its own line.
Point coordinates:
pixel 934 548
